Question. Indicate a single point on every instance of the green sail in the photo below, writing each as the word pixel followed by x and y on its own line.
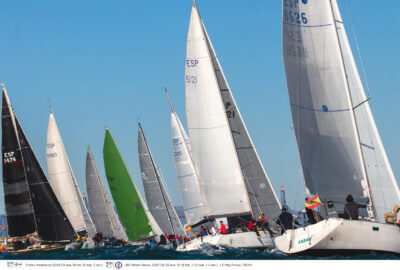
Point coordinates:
pixel 126 197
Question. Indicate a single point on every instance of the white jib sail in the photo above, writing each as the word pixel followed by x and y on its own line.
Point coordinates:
pixel 213 150
pixel 63 181
pixel 383 186
pixel 192 199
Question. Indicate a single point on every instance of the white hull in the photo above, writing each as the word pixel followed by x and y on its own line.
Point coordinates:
pixel 235 240
pixel 335 234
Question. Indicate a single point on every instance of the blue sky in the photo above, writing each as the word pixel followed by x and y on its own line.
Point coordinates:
pixel 103 63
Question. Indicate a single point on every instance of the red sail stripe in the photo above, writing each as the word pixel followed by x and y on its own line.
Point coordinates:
pixel 12 162
pixel 19 201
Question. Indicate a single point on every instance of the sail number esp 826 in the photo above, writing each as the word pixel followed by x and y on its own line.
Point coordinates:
pixel 294 20
pixel 294 16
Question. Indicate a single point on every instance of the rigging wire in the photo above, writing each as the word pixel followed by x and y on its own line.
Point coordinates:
pixel 358 48
pixel 370 130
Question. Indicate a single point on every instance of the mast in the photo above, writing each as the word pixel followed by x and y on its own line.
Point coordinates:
pixel 371 210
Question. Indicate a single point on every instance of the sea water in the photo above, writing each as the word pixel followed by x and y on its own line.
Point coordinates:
pixel 159 253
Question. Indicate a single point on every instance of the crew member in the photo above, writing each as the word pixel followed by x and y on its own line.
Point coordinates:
pixel 351 208
pixel 286 220
pixel 222 228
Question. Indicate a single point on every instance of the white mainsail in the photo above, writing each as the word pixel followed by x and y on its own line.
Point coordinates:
pixel 63 182
pixel 212 145
pixel 189 189
pixel 320 102
pixel 384 189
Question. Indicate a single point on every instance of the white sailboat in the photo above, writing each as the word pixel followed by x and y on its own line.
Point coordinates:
pixel 231 178
pixel 340 149
pixel 64 184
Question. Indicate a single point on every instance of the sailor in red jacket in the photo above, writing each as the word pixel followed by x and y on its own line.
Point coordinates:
pixel 250 226
pixel 222 228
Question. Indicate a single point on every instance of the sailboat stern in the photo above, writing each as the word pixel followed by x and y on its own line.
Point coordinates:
pixel 332 236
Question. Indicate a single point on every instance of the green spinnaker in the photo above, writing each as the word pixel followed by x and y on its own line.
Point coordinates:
pixel 124 193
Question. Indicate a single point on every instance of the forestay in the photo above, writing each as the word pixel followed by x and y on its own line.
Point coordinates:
pixel 260 191
pixel 157 197
pixel 213 149
pixel 384 189
pixel 320 102
pixel 101 209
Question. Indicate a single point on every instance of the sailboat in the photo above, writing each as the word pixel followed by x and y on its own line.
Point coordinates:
pixel 30 203
pixel 64 184
pixel 158 201
pixel 340 148
pixel 230 174
pixel 101 209
pixel 138 222
pixel 192 199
